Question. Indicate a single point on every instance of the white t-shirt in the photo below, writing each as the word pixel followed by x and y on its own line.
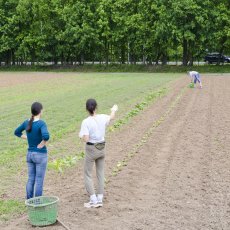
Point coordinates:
pixel 193 73
pixel 95 126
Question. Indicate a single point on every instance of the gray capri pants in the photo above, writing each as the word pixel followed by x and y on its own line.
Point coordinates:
pixel 92 154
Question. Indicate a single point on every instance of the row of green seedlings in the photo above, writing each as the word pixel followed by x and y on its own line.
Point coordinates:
pixel 65 162
pixel 69 161
pixel 124 162
pixel 151 97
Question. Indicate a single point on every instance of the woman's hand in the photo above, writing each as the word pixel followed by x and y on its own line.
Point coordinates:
pixel 85 138
pixel 114 108
pixel 41 145
pixel 23 136
pixel 113 111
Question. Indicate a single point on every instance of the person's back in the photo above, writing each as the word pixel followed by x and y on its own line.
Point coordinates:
pixel 38 133
pixel 96 127
pixel 93 134
pixel 192 73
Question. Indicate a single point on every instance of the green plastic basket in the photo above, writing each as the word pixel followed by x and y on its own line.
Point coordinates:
pixel 42 210
pixel 191 85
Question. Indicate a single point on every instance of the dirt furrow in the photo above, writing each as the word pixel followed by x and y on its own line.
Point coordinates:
pixel 69 186
pixel 179 179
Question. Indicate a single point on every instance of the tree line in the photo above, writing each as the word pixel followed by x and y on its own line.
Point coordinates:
pixel 124 31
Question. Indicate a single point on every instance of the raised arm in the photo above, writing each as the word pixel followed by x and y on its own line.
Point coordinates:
pixel 113 112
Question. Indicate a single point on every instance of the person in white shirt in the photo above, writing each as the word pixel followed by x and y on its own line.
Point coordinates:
pixel 195 76
pixel 93 134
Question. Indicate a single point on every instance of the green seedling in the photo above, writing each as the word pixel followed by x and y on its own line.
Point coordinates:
pixel 130 155
pixel 191 85
pixel 153 96
pixel 66 162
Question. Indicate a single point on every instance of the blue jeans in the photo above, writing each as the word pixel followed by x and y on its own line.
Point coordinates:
pixel 197 78
pixel 37 163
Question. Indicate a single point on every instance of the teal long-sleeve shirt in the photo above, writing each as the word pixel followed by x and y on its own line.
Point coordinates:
pixel 38 133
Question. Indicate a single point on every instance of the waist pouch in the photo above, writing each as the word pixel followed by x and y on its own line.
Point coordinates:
pixel 100 146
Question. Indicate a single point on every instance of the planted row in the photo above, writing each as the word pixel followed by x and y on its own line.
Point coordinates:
pixel 121 164
pixel 151 97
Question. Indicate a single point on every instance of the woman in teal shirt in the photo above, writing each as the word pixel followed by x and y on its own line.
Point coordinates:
pixel 37 136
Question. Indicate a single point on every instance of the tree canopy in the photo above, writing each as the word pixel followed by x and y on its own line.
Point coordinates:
pixel 125 31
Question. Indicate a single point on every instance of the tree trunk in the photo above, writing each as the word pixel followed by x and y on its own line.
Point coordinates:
pixel 157 58
pixel 144 60
pixel 143 55
pixel 106 53
pixel 32 56
pixel 12 57
pixel 185 52
pixel 129 53
pixel 220 52
pixel 150 61
pixel 123 53
pixel 191 60
pixel 82 58
pixel 55 58
pixel 191 53
pixel 164 59
pixel 8 58
pixel 62 59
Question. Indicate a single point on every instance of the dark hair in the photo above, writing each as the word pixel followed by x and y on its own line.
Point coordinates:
pixel 36 108
pixel 91 106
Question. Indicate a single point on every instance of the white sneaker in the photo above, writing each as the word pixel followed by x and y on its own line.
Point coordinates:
pixel 99 199
pixel 100 204
pixel 91 205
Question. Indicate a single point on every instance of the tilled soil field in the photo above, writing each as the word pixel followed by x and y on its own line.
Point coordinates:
pixel 178 168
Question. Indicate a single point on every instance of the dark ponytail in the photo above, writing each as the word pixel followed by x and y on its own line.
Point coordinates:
pixel 91 106
pixel 36 109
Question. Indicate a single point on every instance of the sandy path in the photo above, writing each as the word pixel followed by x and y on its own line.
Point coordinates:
pixel 8 79
pixel 179 179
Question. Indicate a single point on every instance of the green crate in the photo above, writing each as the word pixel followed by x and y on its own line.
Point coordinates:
pixel 191 85
pixel 42 210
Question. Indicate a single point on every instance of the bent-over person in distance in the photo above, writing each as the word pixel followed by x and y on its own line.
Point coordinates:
pixel 195 77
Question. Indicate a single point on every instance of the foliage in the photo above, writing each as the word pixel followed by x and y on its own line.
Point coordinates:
pixel 122 68
pixel 61 163
pixel 124 31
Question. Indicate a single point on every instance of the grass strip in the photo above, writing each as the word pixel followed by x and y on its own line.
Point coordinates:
pixel 10 207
